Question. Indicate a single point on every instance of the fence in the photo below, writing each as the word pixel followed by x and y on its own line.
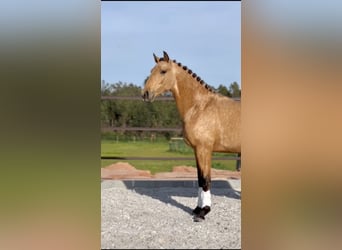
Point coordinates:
pixel 163 98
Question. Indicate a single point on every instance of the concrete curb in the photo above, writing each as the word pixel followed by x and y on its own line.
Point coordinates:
pixel 131 184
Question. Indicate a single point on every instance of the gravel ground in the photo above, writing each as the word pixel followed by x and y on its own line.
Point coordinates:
pixel 136 216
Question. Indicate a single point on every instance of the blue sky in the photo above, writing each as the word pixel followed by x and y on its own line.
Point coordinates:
pixel 203 35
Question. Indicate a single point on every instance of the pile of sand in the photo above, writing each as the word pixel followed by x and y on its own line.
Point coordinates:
pixel 123 170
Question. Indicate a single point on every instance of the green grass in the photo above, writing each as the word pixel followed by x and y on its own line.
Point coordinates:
pixel 153 149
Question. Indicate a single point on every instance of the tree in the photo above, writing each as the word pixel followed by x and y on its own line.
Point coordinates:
pixel 223 90
pixel 136 113
pixel 234 89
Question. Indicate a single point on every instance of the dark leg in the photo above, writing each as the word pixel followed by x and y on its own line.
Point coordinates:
pixel 203 163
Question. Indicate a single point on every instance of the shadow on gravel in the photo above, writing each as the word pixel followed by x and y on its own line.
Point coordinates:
pixel 186 188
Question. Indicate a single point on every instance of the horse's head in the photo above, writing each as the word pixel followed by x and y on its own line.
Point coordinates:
pixel 161 79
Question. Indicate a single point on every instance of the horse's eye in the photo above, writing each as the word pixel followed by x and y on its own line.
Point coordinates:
pixel 163 72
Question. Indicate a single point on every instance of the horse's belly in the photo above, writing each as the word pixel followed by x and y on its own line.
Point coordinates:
pixel 227 148
pixel 228 142
pixel 218 144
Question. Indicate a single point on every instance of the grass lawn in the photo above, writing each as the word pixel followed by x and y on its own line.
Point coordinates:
pixel 154 149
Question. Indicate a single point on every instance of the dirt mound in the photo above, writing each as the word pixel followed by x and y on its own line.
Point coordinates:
pixel 186 172
pixel 123 170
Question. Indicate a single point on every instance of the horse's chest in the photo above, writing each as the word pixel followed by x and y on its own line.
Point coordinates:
pixel 198 131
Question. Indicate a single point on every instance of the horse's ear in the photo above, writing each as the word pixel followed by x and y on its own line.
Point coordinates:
pixel 156 59
pixel 166 57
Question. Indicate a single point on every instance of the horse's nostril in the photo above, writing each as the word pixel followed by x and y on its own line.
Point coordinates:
pixel 145 95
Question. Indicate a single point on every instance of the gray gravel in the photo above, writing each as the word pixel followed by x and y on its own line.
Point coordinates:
pixel 154 215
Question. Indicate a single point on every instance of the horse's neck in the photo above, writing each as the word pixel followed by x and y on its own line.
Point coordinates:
pixel 187 93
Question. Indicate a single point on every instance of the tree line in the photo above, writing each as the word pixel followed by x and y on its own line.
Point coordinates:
pixel 136 113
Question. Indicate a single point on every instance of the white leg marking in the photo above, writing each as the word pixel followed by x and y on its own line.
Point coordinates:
pixel 204 198
pixel 199 200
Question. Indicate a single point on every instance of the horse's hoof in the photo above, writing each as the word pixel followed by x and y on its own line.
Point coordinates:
pixel 205 210
pixel 200 213
pixel 198 218
pixel 196 211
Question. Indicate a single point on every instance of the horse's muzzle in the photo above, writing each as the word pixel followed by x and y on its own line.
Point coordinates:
pixel 147 96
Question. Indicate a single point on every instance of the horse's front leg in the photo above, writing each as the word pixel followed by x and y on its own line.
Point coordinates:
pixel 203 162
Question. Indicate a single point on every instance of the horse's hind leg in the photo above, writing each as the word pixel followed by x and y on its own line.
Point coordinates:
pixel 203 163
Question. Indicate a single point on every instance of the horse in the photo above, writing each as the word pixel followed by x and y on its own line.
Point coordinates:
pixel 211 121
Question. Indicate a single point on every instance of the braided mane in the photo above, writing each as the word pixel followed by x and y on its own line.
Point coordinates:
pixel 189 71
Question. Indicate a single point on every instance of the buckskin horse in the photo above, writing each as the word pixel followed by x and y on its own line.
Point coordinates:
pixel 211 121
